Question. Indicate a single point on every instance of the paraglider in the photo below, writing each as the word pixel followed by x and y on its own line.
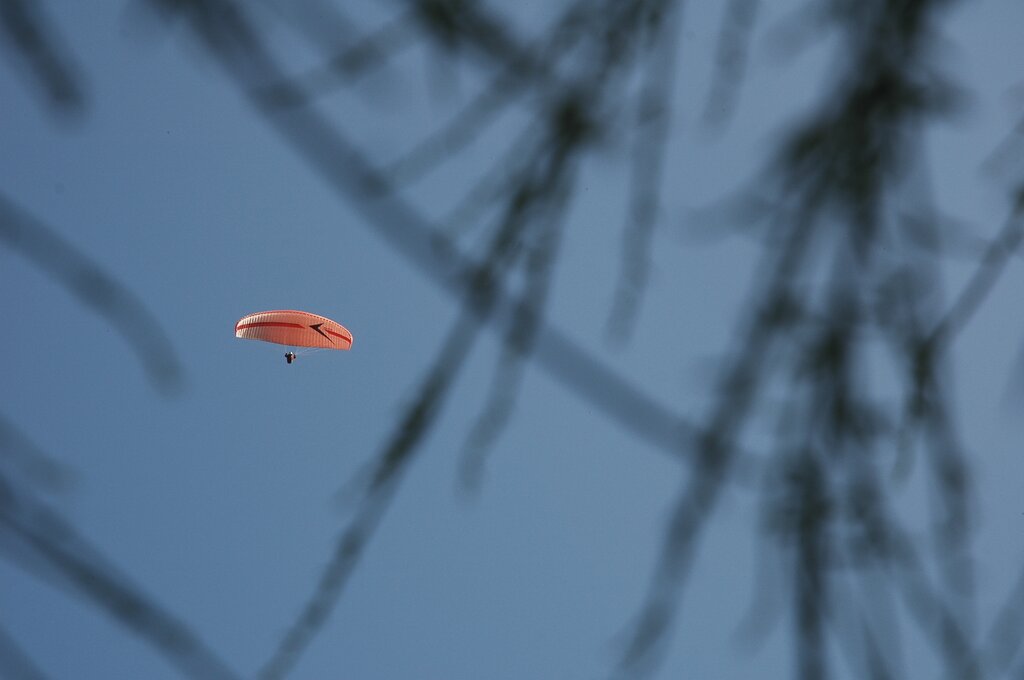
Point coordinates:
pixel 295 329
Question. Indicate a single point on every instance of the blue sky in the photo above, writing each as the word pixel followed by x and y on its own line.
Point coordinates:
pixel 220 500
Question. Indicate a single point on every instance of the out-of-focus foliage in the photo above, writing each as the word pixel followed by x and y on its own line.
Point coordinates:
pixel 842 274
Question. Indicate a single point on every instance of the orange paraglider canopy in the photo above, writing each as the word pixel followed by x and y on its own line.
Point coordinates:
pixel 294 328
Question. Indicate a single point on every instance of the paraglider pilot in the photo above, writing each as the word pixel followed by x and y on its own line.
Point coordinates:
pixel 289 357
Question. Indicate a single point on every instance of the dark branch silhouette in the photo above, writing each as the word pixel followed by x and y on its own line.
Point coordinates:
pixel 850 268
pixel 15 663
pixel 33 42
pixel 730 62
pixel 38 539
pixel 95 288
pixel 391 462
pixel 355 60
pixel 653 117
pixel 842 170
pixel 19 457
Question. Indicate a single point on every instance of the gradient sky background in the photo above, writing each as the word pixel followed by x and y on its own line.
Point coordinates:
pixel 221 501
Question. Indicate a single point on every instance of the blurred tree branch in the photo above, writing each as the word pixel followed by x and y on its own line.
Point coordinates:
pixel 32 41
pixel 36 538
pixel 841 274
pixel 95 288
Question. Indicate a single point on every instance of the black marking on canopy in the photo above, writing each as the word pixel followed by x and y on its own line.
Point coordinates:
pixel 316 327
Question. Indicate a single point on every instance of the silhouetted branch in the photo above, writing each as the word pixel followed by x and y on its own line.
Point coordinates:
pixel 457 23
pixel 878 668
pixel 730 61
pixel 1003 247
pixel 811 510
pixel 553 192
pixel 49 548
pixel 716 448
pixel 20 456
pixel 1006 634
pixel 653 118
pixel 31 38
pixel 15 663
pixel 939 623
pixel 357 59
pixel 466 126
pixel 324 24
pixel 386 472
pixel 1007 159
pixel 88 281
pixel 838 170
pixel 505 174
